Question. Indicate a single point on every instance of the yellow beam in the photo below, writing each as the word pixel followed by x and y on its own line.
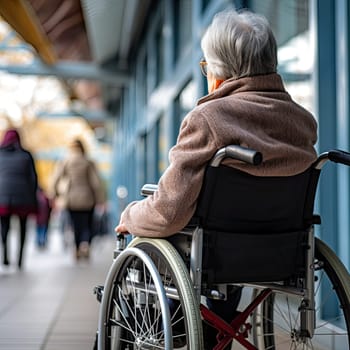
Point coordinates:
pixel 21 17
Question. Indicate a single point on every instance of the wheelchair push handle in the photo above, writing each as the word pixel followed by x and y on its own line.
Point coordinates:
pixel 237 152
pixel 335 156
pixel 233 151
pixel 338 156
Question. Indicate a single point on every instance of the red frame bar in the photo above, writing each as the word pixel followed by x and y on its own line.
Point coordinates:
pixel 228 332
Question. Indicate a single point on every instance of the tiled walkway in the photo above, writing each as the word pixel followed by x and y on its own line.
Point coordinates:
pixel 50 305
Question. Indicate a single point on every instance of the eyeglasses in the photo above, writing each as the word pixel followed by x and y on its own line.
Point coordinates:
pixel 203 64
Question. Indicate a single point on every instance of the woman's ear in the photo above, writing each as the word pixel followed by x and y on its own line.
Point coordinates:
pixel 213 83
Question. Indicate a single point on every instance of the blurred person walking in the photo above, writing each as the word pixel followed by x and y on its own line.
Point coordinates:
pixel 42 218
pixel 18 186
pixel 84 190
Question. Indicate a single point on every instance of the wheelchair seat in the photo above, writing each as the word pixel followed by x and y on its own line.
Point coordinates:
pixel 255 228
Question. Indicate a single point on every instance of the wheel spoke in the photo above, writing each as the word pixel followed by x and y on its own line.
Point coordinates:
pixel 135 316
pixel 277 321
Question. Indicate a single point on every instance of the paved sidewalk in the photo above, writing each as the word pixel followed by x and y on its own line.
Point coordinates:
pixel 50 304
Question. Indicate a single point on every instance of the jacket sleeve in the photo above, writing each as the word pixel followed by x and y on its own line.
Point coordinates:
pixel 33 173
pixel 58 174
pixel 96 184
pixel 171 207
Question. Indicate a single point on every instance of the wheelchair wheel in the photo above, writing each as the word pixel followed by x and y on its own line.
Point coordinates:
pixel 132 310
pixel 276 322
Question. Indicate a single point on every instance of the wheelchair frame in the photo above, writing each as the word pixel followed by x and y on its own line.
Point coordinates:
pixel 188 281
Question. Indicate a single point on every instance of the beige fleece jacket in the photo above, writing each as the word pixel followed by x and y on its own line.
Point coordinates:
pixel 254 112
pixel 84 185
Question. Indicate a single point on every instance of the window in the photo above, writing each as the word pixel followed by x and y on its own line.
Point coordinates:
pixel 145 80
pixel 141 172
pixel 162 146
pixel 152 154
pixel 289 20
pixel 183 25
pixel 159 54
pixel 205 4
pixel 184 102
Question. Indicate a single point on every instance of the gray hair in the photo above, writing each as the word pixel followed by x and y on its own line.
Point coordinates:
pixel 239 45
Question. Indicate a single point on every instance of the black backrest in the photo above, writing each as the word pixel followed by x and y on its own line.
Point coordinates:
pixel 234 201
pixel 255 228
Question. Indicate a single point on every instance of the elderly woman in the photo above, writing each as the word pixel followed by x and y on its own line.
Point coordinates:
pixel 247 105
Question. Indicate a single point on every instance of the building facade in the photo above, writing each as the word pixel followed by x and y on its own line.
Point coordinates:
pixel 313 50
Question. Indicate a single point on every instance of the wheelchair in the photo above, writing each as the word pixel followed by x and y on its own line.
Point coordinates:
pixel 252 232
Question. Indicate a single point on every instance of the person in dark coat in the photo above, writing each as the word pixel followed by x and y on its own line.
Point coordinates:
pixel 18 186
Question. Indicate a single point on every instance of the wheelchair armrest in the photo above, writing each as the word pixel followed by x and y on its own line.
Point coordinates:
pixel 148 189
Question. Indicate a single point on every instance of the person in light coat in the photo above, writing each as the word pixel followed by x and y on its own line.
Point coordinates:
pixel 83 191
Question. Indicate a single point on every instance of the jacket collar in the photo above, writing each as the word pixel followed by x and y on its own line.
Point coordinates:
pixel 268 82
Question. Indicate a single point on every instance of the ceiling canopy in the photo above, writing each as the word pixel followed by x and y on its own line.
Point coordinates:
pixel 87 43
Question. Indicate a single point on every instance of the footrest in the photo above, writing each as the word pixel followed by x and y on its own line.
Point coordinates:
pixel 98 290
